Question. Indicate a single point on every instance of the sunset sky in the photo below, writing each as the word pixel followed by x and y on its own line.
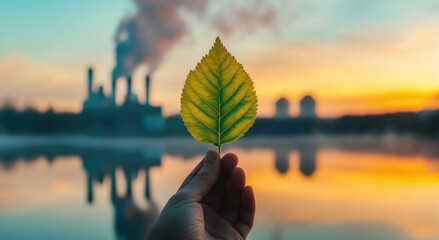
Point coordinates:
pixel 353 56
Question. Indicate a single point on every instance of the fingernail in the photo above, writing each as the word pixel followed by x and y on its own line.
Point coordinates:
pixel 211 156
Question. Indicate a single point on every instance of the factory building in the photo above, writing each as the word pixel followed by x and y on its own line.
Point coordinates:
pixel 307 107
pixel 130 115
pixel 95 99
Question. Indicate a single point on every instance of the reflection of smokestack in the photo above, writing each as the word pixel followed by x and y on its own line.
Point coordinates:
pixel 147 187
pixel 128 97
pixel 90 190
pixel 147 80
pixel 129 188
pixel 90 81
pixel 113 184
pixel 113 93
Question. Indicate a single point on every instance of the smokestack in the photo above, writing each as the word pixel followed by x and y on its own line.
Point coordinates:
pixel 113 91
pixel 128 97
pixel 90 81
pixel 147 80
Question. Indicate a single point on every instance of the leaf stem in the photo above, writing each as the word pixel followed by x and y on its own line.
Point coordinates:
pixel 219 151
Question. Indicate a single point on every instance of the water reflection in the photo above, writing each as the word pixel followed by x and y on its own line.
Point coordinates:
pixel 307 160
pixel 131 221
pixel 100 164
pixel 110 160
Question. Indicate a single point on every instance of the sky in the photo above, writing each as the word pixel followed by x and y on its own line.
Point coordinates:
pixel 353 56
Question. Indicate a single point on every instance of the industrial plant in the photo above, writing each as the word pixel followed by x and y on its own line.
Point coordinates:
pixel 131 114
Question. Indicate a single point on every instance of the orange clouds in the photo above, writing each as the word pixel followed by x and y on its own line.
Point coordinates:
pixel 27 81
pixel 358 76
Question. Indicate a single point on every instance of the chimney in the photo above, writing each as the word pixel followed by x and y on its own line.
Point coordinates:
pixel 128 96
pixel 147 80
pixel 90 81
pixel 113 91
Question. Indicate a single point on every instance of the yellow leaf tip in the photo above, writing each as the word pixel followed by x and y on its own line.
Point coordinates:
pixel 218 42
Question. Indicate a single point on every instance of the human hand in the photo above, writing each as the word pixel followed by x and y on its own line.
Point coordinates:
pixel 212 203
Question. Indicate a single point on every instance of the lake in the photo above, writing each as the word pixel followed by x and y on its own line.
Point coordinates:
pixel 306 188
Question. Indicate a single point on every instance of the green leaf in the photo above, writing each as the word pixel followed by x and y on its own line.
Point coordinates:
pixel 218 103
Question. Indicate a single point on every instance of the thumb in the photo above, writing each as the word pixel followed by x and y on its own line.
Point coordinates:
pixel 205 178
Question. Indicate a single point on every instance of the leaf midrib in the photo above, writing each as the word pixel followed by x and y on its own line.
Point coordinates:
pixel 219 96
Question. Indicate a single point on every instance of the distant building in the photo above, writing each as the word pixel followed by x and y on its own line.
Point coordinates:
pixel 282 106
pixel 307 107
pixel 95 99
pixel 131 114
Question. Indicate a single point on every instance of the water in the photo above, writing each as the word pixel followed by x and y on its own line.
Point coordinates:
pixel 306 188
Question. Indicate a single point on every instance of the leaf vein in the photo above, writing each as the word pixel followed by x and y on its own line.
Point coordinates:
pixel 204 74
pixel 244 129
pixel 231 125
pixel 214 74
pixel 233 78
pixel 202 97
pixel 191 100
pixel 240 101
pixel 202 122
pixel 222 62
pixel 236 90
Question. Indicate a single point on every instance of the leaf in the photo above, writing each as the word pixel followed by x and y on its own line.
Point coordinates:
pixel 218 103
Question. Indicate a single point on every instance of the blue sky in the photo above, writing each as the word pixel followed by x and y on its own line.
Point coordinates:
pixel 85 29
pixel 80 29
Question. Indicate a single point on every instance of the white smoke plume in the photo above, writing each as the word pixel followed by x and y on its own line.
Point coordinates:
pixel 146 36
pixel 244 17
